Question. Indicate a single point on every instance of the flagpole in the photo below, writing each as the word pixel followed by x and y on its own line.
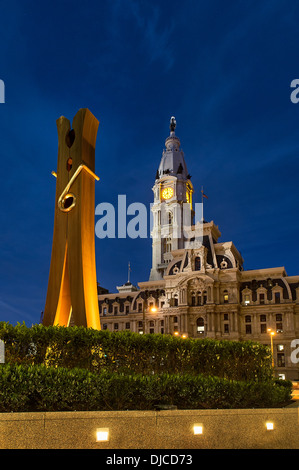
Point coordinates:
pixel 202 203
pixel 129 270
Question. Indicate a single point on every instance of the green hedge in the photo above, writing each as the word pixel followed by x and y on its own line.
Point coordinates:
pixel 26 388
pixel 127 352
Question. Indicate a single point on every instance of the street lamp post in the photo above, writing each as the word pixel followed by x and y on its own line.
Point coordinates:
pixel 145 308
pixel 271 333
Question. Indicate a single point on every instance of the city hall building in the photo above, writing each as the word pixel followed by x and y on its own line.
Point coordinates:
pixel 197 286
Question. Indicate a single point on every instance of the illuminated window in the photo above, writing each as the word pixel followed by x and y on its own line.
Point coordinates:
pixel 279 327
pixel 104 311
pixel 280 355
pixel 246 299
pixel 140 327
pixel 200 325
pixel 225 297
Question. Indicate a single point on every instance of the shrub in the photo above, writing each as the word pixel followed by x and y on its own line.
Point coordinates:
pixel 40 388
pixel 127 352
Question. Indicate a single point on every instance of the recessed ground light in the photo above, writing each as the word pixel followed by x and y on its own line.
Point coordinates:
pixel 102 434
pixel 269 426
pixel 197 429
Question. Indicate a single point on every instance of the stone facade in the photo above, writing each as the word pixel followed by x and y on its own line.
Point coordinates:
pixel 198 287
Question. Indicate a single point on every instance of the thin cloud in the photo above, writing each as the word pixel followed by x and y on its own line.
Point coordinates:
pixel 154 33
pixel 6 310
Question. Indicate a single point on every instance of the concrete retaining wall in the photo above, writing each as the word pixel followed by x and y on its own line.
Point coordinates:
pixel 221 429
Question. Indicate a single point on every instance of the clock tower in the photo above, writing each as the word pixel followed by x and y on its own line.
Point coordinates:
pixel 172 207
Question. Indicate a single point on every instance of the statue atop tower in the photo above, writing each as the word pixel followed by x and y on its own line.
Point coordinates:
pixel 172 124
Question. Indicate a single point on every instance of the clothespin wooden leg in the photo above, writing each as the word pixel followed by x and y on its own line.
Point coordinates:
pixel 72 283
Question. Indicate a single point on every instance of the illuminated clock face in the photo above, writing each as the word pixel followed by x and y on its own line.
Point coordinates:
pixel 167 193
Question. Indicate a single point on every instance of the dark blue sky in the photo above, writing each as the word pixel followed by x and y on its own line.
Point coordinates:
pixel 223 69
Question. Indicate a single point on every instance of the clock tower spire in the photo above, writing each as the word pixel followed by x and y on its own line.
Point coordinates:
pixel 172 189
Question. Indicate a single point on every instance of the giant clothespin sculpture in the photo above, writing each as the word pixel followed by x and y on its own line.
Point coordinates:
pixel 72 286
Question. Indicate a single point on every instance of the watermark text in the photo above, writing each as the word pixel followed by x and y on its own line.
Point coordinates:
pixel 2 92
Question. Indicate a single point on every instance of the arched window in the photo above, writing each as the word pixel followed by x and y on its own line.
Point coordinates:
pixel 200 326
pixel 225 297
pixel 168 245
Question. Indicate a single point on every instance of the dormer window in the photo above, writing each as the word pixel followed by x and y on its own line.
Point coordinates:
pixel 246 296
pixel 262 295
pixel 277 294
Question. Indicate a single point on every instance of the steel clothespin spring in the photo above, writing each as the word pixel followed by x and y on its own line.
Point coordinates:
pixel 67 200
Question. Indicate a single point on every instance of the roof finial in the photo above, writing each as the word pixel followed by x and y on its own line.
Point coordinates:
pixel 172 124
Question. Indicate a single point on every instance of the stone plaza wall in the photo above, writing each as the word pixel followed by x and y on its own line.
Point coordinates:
pixel 221 429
